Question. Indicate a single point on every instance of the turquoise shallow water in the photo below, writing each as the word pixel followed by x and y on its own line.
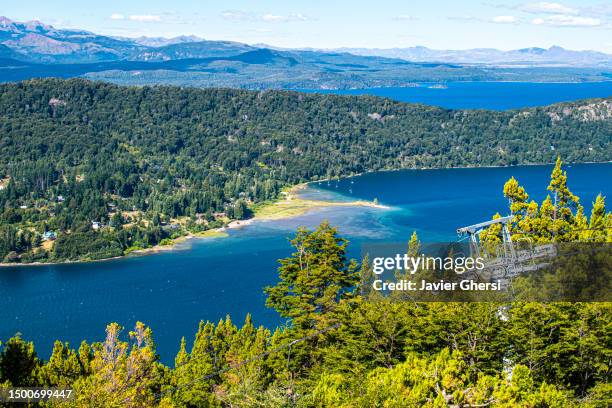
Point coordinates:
pixel 207 279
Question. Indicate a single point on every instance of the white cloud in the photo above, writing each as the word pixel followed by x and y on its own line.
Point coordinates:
pixel 275 18
pixel 600 10
pixel 496 19
pixel 562 20
pixel 504 19
pixel 548 8
pixel 117 16
pixel 239 15
pixel 236 15
pixel 146 18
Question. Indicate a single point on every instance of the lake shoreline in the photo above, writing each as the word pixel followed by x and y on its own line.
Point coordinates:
pixel 451 168
pixel 291 205
pixel 481 95
pixel 427 84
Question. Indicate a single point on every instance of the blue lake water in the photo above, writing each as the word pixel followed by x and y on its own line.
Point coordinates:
pixel 489 95
pixel 206 279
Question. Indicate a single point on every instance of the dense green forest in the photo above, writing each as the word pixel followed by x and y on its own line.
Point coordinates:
pixel 349 346
pixel 91 170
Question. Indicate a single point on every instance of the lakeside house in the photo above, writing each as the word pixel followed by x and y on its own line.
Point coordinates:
pixel 49 236
pixel 171 227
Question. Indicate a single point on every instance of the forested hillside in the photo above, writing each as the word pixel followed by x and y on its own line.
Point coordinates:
pixel 91 170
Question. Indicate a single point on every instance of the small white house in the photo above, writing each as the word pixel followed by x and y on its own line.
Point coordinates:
pixel 49 235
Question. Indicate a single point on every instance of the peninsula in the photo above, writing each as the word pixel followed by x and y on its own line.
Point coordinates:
pixel 93 171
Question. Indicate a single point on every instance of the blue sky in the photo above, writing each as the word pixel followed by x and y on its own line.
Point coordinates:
pixel 337 23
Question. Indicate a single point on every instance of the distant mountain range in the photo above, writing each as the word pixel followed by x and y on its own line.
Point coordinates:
pixel 553 56
pixel 34 41
pixel 34 49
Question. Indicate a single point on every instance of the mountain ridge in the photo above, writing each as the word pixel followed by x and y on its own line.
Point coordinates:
pixel 35 50
pixel 531 56
pixel 36 41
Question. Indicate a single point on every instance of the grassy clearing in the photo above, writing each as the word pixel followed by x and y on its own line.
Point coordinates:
pixel 287 208
pixel 211 234
pixel 291 205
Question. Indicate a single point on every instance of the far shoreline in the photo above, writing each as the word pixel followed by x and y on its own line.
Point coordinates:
pixel 492 166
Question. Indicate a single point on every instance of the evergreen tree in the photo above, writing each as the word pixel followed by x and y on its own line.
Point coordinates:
pixel 18 362
pixel 517 196
pixel 314 278
pixel 600 223
pixel 559 218
pixel 192 388
pixel 121 375
pixel 366 277
pixel 62 369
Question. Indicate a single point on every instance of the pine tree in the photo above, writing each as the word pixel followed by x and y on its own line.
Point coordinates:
pixel 491 236
pixel 564 201
pixel 314 278
pixel 245 384
pixel 366 278
pixel 561 343
pixel 62 369
pixel 193 375
pixel 600 226
pixel 564 198
pixel 313 281
pixel 517 196
pixel 414 245
pixel 18 362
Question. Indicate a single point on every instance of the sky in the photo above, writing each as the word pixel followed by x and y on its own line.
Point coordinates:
pixel 458 24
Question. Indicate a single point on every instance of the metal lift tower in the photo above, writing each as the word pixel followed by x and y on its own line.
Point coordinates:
pixel 473 232
pixel 513 261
